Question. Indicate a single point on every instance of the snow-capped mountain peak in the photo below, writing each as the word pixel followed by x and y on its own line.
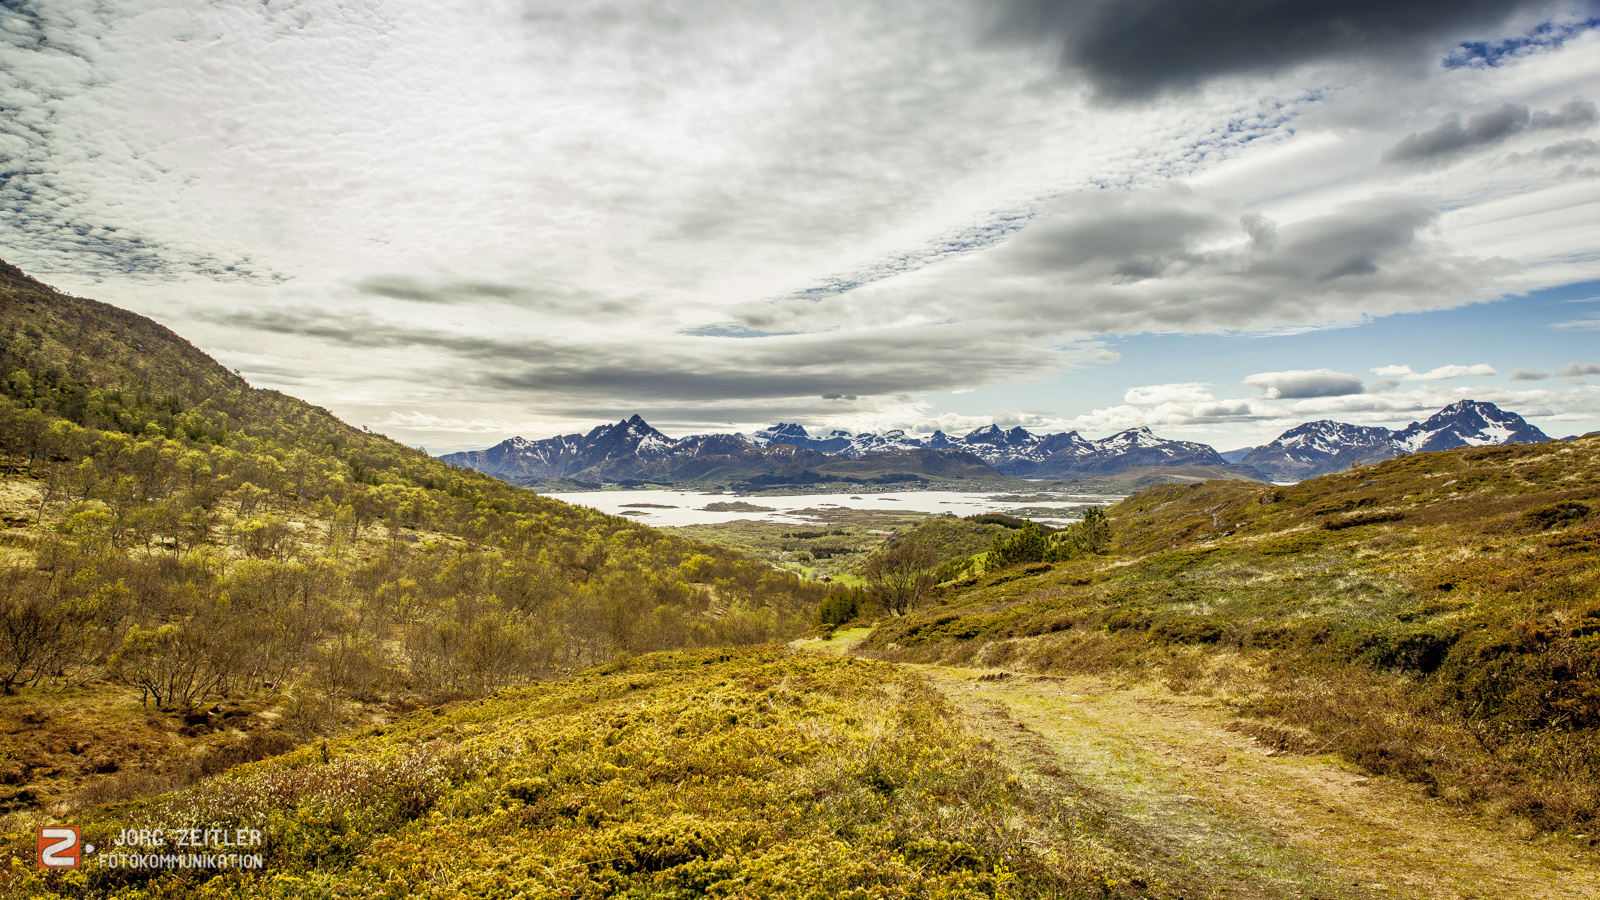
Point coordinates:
pixel 1317 448
pixel 1467 423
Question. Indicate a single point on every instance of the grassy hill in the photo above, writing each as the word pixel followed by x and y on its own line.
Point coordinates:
pixel 257 572
pixel 706 774
pixel 1436 617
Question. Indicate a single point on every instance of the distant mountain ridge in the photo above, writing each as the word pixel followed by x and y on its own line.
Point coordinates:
pixel 633 450
pixel 1016 452
pixel 1318 448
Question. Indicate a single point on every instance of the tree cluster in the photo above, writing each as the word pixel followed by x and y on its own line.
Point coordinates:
pixel 1029 544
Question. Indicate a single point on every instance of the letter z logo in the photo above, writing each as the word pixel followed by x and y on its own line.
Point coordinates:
pixel 60 847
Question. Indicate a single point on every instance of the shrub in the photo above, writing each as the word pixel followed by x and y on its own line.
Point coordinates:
pixel 1563 513
pixel 1188 630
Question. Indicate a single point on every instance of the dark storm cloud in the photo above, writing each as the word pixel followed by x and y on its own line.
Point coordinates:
pixel 1138 48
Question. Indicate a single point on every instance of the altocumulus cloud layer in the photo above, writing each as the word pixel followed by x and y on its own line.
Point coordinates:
pixel 462 220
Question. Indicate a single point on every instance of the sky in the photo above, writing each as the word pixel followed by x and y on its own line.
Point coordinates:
pixel 454 221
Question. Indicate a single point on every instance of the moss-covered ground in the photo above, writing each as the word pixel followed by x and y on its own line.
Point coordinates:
pixel 701 774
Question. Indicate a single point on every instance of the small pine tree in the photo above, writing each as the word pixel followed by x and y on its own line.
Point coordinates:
pixel 1093 534
pixel 1025 545
pixel 840 607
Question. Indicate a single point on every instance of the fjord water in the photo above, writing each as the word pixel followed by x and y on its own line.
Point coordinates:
pixel 688 507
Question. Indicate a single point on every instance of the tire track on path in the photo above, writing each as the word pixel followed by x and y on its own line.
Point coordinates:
pixel 1212 810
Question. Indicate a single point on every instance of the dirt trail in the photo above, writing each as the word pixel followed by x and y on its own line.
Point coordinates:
pixel 1223 817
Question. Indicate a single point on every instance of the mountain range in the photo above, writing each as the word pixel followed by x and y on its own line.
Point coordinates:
pixel 787 453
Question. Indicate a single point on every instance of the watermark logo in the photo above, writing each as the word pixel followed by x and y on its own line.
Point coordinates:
pixel 61 847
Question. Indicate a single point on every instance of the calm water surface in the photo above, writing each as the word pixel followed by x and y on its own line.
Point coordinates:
pixel 688 507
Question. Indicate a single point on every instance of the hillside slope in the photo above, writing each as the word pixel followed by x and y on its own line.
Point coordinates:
pixel 180 538
pixel 1434 617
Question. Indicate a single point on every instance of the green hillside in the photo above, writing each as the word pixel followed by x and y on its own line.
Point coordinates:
pixel 179 540
pixel 1435 617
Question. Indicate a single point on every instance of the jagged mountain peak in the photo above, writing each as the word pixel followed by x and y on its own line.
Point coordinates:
pixel 1467 423
pixel 1325 430
pixel 1463 405
pixel 784 429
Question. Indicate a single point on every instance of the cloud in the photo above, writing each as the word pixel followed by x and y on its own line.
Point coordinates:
pixel 1443 372
pixel 1189 392
pixel 1172 415
pixel 1436 374
pixel 1573 370
pixel 1529 375
pixel 1575 113
pixel 632 367
pixel 1170 259
pixel 407 287
pixel 1577 148
pixel 1451 137
pixel 1298 383
pixel 1582 323
pixel 1136 50
pixel 420 421
pixel 1395 371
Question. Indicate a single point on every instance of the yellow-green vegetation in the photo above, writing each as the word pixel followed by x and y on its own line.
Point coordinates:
pixel 1435 617
pixel 831 542
pixel 699 774
pixel 175 531
pixel 898 574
